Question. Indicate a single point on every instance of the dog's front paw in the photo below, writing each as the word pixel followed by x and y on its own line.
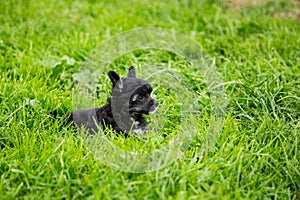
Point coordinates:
pixel 139 131
pixel 139 128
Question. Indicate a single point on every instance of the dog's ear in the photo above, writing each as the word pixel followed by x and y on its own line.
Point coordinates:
pixel 114 77
pixel 131 72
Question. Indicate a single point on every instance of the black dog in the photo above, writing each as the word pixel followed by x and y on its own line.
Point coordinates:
pixel 124 111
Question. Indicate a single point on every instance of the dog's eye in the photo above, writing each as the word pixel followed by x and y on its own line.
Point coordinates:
pixel 141 97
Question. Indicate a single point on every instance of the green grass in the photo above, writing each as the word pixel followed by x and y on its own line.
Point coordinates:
pixel 257 51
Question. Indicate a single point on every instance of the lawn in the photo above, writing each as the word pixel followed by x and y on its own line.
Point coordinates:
pixel 46 45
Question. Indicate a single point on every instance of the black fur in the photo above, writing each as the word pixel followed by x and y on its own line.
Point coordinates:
pixel 124 111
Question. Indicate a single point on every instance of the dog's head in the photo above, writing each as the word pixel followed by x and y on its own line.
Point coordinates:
pixel 131 100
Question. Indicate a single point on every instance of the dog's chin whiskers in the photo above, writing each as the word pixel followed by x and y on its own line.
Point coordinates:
pixel 153 111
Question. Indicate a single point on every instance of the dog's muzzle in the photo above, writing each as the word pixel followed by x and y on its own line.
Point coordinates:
pixel 153 107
